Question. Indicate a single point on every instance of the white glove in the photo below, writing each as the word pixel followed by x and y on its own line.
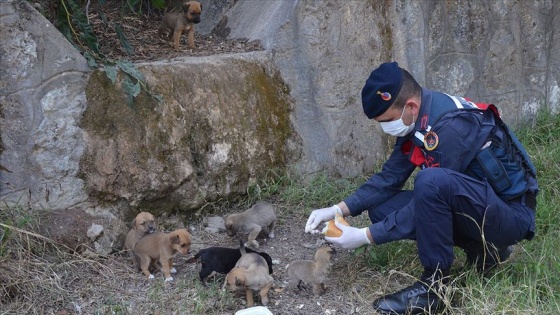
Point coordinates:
pixel 351 237
pixel 319 216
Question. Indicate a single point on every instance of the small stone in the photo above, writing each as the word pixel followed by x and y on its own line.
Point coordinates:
pixel 94 231
pixel 214 224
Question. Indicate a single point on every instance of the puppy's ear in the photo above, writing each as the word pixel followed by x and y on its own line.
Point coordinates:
pixel 175 239
pixel 230 228
pixel 134 224
pixel 239 281
pixel 186 6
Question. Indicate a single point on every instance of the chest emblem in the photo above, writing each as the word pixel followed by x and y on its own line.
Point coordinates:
pixel 431 140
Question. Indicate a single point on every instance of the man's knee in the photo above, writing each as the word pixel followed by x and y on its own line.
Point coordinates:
pixel 431 177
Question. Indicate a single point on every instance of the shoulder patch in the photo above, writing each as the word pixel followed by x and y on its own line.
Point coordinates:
pixel 431 140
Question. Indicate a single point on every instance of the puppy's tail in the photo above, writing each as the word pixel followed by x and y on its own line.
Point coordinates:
pixel 242 247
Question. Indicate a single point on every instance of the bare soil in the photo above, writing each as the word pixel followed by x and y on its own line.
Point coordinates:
pixel 348 290
pixel 37 277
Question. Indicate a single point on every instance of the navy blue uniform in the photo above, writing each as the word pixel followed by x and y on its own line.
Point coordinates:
pixel 462 193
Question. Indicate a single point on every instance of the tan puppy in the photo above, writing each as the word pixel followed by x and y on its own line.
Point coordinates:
pixel 250 274
pixel 312 272
pixel 164 247
pixel 143 224
pixel 178 23
pixel 253 221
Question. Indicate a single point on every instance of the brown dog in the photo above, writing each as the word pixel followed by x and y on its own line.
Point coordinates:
pixel 177 23
pixel 312 272
pixel 162 246
pixel 253 221
pixel 250 274
pixel 143 224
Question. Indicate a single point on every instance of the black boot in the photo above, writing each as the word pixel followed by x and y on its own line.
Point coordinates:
pixel 485 262
pixel 423 296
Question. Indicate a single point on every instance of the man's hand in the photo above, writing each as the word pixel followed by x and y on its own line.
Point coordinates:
pixel 351 237
pixel 319 216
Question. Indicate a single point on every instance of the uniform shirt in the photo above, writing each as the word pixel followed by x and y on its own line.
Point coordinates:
pixel 461 134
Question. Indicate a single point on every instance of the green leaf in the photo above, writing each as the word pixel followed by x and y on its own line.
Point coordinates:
pixel 84 30
pixel 90 59
pixel 123 40
pixel 130 69
pixel 360 250
pixel 372 255
pixel 130 89
pixel 136 88
pixel 111 72
pixel 158 4
pixel 157 97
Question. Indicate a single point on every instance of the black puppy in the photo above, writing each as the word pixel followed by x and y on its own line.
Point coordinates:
pixel 222 260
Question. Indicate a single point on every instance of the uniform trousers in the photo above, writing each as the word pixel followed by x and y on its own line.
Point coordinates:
pixel 446 209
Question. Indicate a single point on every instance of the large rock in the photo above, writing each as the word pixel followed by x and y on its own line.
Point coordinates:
pixel 42 99
pixel 223 124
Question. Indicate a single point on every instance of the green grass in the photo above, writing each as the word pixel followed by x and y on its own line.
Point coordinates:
pixel 528 284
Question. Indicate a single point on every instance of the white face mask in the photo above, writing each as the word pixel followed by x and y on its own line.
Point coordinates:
pixel 397 127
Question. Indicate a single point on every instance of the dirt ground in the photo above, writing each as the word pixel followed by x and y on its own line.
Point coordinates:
pixel 347 291
pixel 38 278
pixel 351 284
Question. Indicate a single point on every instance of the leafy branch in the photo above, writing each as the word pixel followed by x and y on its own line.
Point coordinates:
pixel 73 23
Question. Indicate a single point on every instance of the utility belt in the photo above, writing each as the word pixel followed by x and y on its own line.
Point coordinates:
pixel 529 199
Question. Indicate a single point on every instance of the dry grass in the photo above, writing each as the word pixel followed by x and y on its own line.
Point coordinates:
pixel 38 276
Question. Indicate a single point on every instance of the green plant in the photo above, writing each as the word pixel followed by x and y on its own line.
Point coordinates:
pixel 73 23
pixel 308 192
pixel 12 219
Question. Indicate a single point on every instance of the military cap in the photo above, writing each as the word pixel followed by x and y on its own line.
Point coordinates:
pixel 381 88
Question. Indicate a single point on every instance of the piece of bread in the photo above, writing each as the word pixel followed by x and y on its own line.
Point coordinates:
pixel 330 228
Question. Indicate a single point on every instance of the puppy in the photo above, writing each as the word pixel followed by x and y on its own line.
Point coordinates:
pixel 163 247
pixel 312 272
pixel 177 23
pixel 222 260
pixel 260 216
pixel 250 274
pixel 143 224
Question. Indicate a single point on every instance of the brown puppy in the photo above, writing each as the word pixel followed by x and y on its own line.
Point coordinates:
pixel 221 260
pixel 311 272
pixel 143 224
pixel 164 247
pixel 177 23
pixel 250 274
pixel 253 221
